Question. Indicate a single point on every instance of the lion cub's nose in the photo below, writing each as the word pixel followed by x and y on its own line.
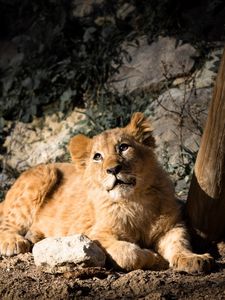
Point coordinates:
pixel 114 170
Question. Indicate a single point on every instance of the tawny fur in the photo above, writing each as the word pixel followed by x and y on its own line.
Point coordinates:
pixel 115 192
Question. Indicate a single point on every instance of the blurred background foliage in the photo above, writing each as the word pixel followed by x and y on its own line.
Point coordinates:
pixel 65 60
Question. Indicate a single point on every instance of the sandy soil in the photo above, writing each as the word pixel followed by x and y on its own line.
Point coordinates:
pixel 21 279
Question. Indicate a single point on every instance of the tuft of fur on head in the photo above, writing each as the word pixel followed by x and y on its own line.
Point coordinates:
pixel 141 129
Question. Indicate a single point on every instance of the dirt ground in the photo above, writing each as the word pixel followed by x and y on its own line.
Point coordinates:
pixel 21 279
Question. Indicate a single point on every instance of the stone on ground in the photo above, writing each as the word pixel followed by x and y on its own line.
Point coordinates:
pixel 58 255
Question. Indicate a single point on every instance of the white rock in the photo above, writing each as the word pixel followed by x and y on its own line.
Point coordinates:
pixel 206 76
pixel 42 141
pixel 178 120
pixel 58 255
pixel 151 62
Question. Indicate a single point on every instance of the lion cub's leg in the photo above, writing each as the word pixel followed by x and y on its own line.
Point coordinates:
pixel 20 206
pixel 174 246
pixel 129 256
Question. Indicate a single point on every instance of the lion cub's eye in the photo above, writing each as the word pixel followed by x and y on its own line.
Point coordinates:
pixel 97 156
pixel 123 147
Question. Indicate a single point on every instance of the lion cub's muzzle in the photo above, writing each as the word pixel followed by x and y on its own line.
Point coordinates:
pixel 119 179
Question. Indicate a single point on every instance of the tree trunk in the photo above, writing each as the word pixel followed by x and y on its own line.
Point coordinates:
pixel 206 199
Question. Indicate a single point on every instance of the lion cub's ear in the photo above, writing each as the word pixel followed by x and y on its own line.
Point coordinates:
pixel 141 128
pixel 79 148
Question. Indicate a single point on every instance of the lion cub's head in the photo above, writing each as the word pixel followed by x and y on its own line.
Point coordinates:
pixel 117 161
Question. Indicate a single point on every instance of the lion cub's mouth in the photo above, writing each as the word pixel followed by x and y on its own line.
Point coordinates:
pixel 123 183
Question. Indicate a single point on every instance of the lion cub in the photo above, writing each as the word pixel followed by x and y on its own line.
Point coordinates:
pixel 115 192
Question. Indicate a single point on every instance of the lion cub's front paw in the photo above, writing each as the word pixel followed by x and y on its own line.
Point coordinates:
pixel 11 244
pixel 193 263
pixel 130 256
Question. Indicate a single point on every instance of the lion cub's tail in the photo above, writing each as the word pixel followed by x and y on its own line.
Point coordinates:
pixel 34 184
pixel 41 179
pixel 46 176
